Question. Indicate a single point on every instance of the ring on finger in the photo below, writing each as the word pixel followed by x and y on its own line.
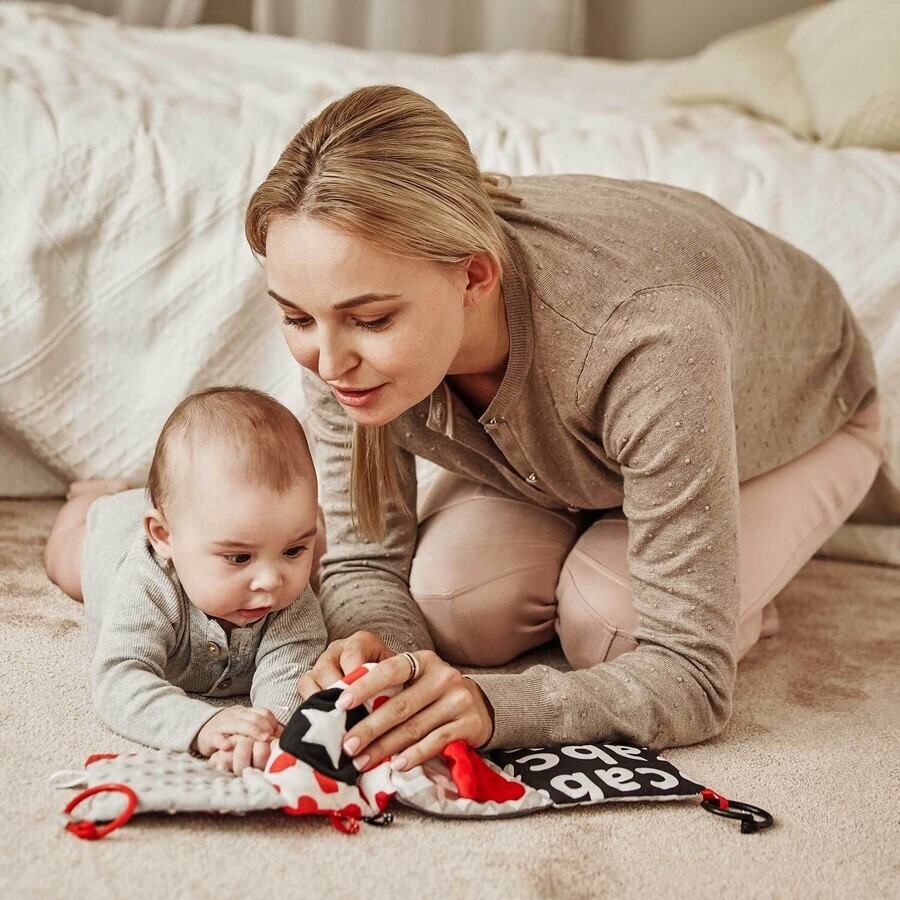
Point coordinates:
pixel 414 668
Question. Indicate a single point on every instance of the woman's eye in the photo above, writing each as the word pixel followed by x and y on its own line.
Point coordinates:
pixel 377 325
pixel 237 559
pixel 294 552
pixel 301 323
pixel 305 322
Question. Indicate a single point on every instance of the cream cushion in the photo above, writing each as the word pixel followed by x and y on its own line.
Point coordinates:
pixel 847 55
pixel 753 70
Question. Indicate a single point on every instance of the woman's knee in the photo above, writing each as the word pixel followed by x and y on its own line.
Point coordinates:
pixel 491 622
pixel 484 575
pixel 596 619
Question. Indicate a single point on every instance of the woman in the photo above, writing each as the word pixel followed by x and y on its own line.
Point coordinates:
pixel 649 414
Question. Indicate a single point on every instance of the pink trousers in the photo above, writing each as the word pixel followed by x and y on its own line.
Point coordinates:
pixel 496 576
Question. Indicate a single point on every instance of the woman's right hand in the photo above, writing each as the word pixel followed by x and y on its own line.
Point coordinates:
pixel 340 658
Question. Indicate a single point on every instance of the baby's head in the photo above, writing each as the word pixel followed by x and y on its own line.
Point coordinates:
pixel 234 500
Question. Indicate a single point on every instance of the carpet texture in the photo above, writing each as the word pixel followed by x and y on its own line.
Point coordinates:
pixel 813 739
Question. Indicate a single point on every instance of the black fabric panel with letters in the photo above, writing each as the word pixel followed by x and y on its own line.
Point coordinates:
pixel 596 773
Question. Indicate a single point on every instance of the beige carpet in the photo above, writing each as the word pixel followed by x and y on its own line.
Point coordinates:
pixel 813 739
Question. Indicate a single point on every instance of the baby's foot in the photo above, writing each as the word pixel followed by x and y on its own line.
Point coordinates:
pixel 97 487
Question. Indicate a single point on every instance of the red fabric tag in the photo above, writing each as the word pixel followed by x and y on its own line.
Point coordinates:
pixel 474 779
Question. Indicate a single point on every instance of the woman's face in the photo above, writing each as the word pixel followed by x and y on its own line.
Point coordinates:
pixel 364 320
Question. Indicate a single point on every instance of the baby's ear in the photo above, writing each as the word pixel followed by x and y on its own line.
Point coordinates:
pixel 158 534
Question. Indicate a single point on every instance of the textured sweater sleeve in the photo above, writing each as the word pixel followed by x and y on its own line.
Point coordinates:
pixel 293 640
pixel 364 585
pixel 656 391
pixel 131 693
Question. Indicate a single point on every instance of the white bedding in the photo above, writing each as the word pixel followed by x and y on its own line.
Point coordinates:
pixel 127 156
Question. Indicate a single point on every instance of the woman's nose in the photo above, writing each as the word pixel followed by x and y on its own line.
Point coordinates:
pixel 335 358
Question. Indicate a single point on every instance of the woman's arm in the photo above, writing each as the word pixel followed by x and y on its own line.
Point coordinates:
pixel 664 414
pixel 364 585
pixel 662 408
pixel 293 640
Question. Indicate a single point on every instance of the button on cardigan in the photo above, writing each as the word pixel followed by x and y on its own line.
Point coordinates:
pixel 662 351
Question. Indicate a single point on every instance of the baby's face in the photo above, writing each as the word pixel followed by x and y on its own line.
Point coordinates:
pixel 242 551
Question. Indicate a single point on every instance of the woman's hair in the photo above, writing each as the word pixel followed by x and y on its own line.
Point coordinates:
pixel 264 440
pixel 389 166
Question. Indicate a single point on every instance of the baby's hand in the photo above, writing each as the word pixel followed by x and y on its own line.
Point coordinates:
pixel 254 722
pixel 244 753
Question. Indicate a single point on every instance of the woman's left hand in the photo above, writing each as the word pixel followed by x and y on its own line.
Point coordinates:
pixel 416 724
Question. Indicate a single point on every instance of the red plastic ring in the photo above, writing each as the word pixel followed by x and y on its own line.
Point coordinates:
pixel 88 831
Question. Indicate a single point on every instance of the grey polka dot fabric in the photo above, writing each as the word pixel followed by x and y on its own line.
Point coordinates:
pixel 172 782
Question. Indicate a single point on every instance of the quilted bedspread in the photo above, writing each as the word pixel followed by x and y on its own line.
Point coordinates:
pixel 127 156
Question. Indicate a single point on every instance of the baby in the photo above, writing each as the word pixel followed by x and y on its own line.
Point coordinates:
pixel 207 591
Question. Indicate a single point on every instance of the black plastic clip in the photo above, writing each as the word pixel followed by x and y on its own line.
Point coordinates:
pixel 749 824
pixel 381 820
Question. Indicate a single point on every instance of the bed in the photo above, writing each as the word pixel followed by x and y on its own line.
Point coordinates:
pixel 127 156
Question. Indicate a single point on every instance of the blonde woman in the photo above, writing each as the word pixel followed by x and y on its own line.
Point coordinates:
pixel 648 414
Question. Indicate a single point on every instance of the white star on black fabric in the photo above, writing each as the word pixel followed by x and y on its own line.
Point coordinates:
pixel 326 729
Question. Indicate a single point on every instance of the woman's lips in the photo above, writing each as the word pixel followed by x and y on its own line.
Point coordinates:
pixel 357 398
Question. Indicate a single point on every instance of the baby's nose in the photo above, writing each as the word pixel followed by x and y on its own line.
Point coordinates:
pixel 267 579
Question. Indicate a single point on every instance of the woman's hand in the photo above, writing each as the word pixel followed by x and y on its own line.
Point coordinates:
pixel 415 725
pixel 340 658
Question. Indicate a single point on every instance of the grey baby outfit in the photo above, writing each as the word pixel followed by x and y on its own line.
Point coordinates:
pixel 153 647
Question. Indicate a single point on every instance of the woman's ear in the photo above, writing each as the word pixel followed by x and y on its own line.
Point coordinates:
pixel 482 276
pixel 158 533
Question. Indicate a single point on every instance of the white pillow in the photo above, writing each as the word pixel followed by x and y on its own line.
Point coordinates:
pixel 752 70
pixel 848 59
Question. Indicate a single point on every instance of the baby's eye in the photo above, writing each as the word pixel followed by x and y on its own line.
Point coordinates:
pixel 294 552
pixel 237 559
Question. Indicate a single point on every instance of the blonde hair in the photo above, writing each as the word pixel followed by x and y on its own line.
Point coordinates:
pixel 265 441
pixel 389 166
